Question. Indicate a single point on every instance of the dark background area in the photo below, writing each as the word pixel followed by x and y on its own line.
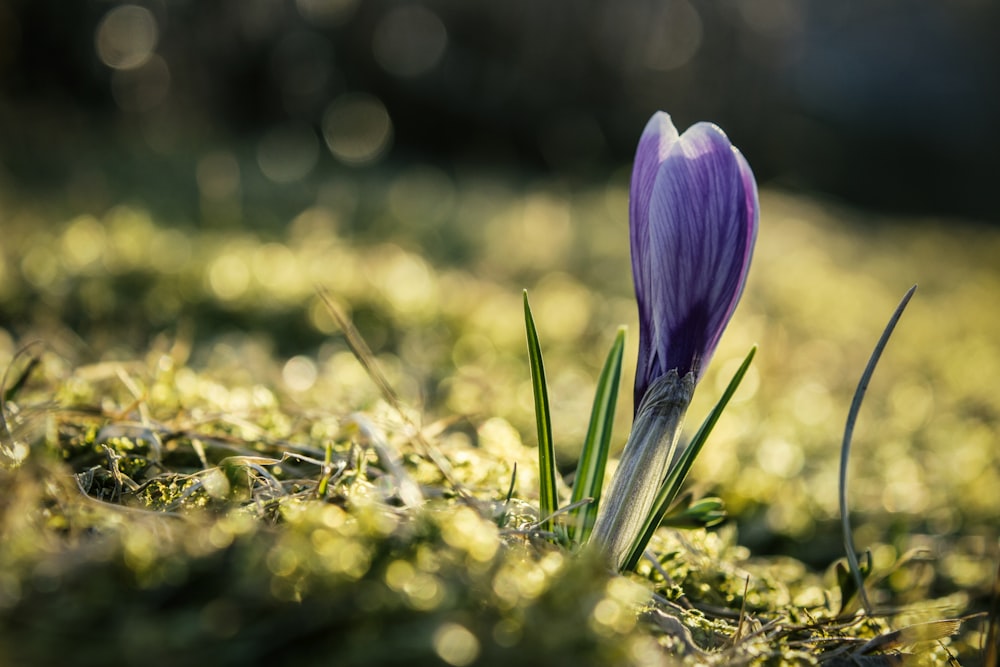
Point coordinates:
pixel 888 104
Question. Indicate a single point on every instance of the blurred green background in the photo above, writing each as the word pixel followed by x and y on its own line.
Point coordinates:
pixel 190 171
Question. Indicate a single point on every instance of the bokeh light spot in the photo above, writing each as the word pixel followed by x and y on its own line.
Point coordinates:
pixel 40 266
pixel 456 645
pixel 409 40
pixel 229 277
pixel 357 128
pixel 780 457
pixel 126 37
pixel 299 373
pixel 407 282
pixel 82 242
pixel 288 153
pixel 608 614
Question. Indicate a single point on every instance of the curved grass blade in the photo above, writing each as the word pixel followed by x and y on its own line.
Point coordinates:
pixel 594 457
pixel 679 472
pixel 548 501
pixel 845 448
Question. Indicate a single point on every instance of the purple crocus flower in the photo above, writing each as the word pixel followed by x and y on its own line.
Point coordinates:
pixel 693 218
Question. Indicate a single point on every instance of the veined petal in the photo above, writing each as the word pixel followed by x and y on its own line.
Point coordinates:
pixel 655 143
pixel 694 253
pixel 750 217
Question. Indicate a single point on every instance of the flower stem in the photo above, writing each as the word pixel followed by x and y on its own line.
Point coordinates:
pixel 643 466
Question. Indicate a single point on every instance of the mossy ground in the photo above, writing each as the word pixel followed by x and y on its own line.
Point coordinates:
pixel 198 469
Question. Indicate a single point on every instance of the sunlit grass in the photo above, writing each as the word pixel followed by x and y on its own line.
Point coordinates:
pixel 221 337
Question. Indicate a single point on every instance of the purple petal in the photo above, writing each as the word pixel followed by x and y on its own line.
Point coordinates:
pixel 694 252
pixel 654 144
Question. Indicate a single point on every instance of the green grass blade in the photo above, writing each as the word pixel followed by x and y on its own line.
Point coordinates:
pixel 548 501
pixel 678 473
pixel 845 448
pixel 594 457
